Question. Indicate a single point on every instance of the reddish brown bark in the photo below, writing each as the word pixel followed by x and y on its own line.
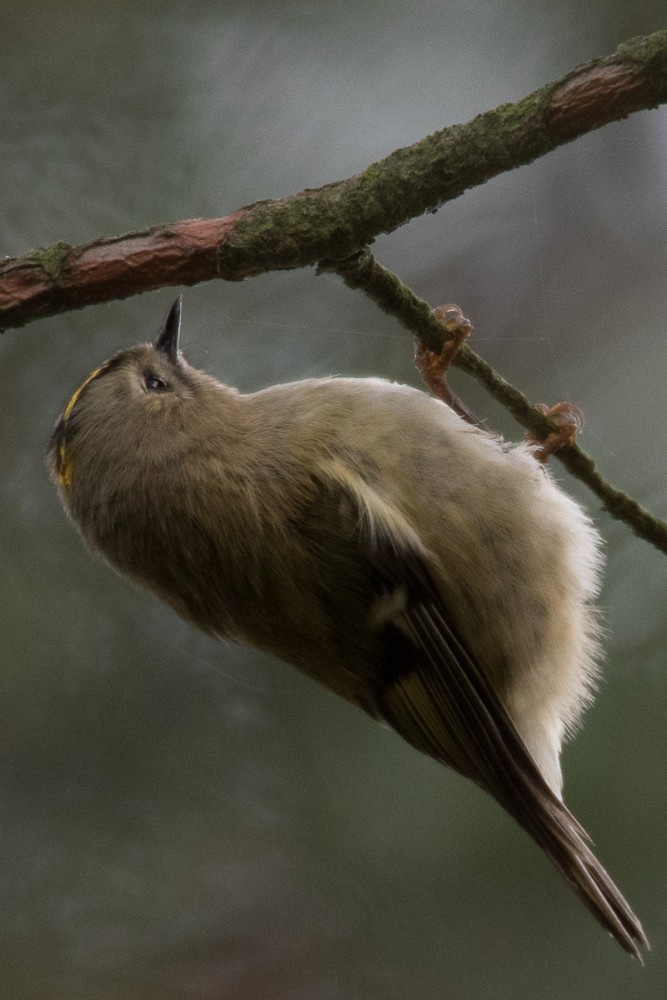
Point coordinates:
pixel 337 220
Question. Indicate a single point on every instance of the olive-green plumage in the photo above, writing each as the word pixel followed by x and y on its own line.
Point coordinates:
pixel 361 531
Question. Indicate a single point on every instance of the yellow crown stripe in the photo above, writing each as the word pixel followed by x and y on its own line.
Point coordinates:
pixel 65 459
pixel 72 403
pixel 64 468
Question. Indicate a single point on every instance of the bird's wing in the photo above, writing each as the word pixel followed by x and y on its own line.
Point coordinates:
pixel 431 689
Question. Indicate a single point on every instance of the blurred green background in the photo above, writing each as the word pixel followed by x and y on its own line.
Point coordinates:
pixel 180 819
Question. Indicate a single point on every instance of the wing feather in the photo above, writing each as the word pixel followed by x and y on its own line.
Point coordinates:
pixel 420 675
pixel 444 705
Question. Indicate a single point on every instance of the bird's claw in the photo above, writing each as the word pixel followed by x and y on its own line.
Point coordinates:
pixel 569 420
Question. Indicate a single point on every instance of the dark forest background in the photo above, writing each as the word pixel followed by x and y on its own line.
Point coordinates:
pixel 180 819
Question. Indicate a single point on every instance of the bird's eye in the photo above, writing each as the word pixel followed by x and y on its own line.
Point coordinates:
pixel 154 383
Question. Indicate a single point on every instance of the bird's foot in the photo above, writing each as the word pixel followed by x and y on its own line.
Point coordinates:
pixel 569 420
pixel 433 365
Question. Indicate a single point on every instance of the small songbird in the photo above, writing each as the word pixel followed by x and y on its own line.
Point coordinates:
pixel 426 571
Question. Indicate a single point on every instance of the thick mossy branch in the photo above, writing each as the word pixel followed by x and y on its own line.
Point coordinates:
pixel 336 220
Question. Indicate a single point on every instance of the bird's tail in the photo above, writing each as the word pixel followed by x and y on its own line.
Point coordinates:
pixel 565 842
pixel 443 703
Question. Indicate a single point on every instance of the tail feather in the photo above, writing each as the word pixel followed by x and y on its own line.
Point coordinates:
pixel 443 703
pixel 549 824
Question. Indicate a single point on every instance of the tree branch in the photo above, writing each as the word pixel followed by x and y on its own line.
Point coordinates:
pixel 362 271
pixel 336 220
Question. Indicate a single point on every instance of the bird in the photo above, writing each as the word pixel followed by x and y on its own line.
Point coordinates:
pixel 359 529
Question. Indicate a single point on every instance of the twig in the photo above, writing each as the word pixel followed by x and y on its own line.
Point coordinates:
pixel 362 271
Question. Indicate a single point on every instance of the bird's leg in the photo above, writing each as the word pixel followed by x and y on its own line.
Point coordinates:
pixel 433 365
pixel 569 420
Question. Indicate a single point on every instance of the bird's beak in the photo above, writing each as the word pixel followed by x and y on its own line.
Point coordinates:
pixel 167 339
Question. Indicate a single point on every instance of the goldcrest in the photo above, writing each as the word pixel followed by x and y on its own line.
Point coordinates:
pixel 419 567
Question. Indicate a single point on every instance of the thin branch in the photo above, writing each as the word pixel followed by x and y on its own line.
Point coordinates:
pixel 336 220
pixel 362 271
